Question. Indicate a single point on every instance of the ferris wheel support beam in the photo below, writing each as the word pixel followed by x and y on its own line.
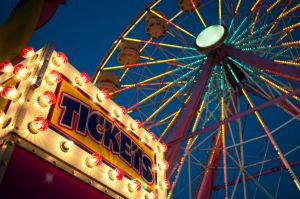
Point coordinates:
pixel 189 111
pixel 233 118
pixel 266 172
pixel 285 105
pixel 283 70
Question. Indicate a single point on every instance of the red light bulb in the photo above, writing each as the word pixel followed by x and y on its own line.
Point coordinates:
pixel 97 159
pixel 165 184
pixel 153 195
pixel 54 77
pixel 48 98
pixel 27 52
pixel 164 147
pixel 38 124
pixel 137 185
pixel 119 173
pixel 164 165
pixel 6 67
pixel 94 160
pixel 2 116
pixel 152 136
pixel 85 77
pixel 102 95
pixel 21 72
pixel 9 92
pixel 60 58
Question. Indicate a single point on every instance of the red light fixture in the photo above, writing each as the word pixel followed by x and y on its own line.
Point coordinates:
pixel 164 147
pixel 116 174
pixel 2 116
pixel 53 77
pixel 47 98
pixel 21 72
pixel 165 184
pixel 6 67
pixel 60 58
pixel 135 185
pixel 164 165
pixel 94 160
pixel 38 124
pixel 152 136
pixel 27 52
pixel 84 78
pixel 10 92
pixel 137 124
pixel 120 111
pixel 102 95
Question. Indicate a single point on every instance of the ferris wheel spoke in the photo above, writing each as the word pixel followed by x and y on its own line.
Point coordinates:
pixel 170 22
pixel 261 187
pixel 170 99
pixel 153 62
pixel 162 120
pixel 163 88
pixel 273 142
pixel 273 5
pixel 256 15
pixel 198 13
pixel 159 44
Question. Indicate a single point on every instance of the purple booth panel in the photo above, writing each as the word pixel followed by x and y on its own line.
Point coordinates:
pixel 28 176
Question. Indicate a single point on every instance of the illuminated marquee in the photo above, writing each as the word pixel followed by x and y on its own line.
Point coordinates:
pixel 56 113
pixel 78 117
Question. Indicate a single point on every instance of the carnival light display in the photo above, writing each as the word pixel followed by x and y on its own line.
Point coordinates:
pixel 21 72
pixel 135 185
pixel 53 77
pixel 38 124
pixel 93 160
pixel 47 98
pixel 60 59
pixel 6 67
pixel 116 174
pixel 27 52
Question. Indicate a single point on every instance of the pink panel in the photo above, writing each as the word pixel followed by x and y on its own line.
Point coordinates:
pixel 29 176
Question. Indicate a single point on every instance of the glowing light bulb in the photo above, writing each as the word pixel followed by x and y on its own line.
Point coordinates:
pixel 135 185
pixel 47 98
pixel 2 116
pixel 10 92
pixel 135 125
pixel 120 111
pixel 94 160
pixel 152 136
pixel 152 195
pixel 27 52
pixel 66 145
pixel 165 184
pixel 102 95
pixel 84 78
pixel 6 67
pixel 21 72
pixel 164 165
pixel 38 124
pixel 116 174
pixel 164 147
pixel 54 77
pixel 60 58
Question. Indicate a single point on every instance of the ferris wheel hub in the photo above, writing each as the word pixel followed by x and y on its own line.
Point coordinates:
pixel 211 38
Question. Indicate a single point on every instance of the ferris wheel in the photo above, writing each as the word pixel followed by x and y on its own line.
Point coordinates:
pixel 218 82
